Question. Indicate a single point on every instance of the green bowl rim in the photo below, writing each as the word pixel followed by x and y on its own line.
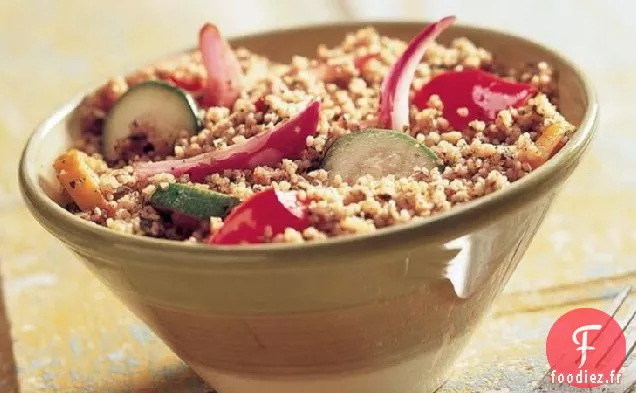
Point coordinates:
pixel 447 225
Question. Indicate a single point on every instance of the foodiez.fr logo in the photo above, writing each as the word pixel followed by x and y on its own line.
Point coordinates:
pixel 586 348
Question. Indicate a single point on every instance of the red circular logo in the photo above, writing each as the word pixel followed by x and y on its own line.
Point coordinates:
pixel 586 348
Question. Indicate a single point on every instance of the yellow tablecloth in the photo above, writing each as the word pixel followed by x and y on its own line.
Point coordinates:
pixel 72 336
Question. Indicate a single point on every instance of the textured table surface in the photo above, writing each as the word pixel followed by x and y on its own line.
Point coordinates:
pixel 70 335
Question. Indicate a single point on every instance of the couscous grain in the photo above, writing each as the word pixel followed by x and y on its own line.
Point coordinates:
pixel 347 80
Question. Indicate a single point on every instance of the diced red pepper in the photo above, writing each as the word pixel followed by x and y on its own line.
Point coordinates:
pixel 260 105
pixel 285 141
pixel 224 72
pixel 185 221
pixel 394 92
pixel 248 222
pixel 361 61
pixel 482 93
pixel 187 84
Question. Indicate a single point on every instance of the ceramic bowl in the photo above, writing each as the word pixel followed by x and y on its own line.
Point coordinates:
pixel 384 313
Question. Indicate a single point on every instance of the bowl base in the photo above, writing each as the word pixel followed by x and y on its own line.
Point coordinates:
pixel 414 375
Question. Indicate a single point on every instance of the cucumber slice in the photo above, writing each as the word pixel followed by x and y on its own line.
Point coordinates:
pixel 148 117
pixel 192 201
pixel 378 153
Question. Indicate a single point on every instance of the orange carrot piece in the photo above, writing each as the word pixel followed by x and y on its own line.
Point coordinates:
pixel 80 181
pixel 548 143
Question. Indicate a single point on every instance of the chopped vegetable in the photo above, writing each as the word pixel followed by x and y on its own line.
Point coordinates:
pixel 268 212
pixel 260 105
pixel 360 62
pixel 80 181
pixel 548 144
pixel 377 153
pixel 148 117
pixel 186 82
pixel 224 72
pixel 394 94
pixel 185 222
pixel 478 94
pixel 286 141
pixel 192 201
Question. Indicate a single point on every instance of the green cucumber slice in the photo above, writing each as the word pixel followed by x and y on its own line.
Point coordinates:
pixel 378 153
pixel 192 201
pixel 148 117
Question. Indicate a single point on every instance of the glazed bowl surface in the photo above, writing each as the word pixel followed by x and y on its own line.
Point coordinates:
pixel 381 313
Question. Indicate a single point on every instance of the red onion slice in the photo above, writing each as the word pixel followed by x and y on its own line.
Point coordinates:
pixel 394 95
pixel 224 73
pixel 285 141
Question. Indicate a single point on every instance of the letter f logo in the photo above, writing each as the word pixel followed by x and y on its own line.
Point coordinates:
pixel 584 347
pixel 575 344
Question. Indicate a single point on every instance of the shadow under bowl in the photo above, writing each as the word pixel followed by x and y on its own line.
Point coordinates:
pixel 365 314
